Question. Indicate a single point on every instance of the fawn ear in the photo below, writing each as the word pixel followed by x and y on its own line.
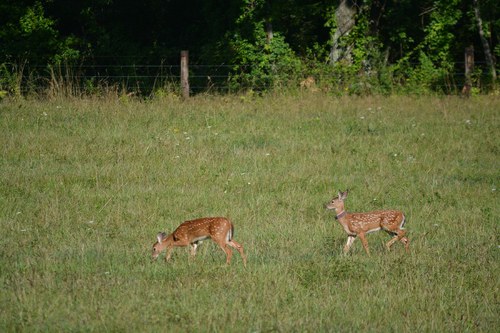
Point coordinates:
pixel 344 195
pixel 340 195
pixel 160 236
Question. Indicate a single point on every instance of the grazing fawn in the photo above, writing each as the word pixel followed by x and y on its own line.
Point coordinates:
pixel 360 224
pixel 192 233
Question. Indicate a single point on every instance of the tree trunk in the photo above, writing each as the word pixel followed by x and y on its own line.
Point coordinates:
pixel 484 41
pixel 269 31
pixel 344 19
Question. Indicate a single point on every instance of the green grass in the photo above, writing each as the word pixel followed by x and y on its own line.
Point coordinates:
pixel 85 185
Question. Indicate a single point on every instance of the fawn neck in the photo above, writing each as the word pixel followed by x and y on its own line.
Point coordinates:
pixel 340 215
pixel 340 210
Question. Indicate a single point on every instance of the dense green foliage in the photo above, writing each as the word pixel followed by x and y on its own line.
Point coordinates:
pixel 86 185
pixel 413 45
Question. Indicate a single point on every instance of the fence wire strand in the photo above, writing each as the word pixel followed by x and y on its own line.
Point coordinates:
pixel 145 78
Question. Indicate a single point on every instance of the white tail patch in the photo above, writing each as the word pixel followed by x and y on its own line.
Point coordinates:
pixel 229 235
pixel 402 226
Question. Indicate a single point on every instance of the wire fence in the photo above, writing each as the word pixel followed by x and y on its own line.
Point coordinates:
pixel 220 78
pixel 141 79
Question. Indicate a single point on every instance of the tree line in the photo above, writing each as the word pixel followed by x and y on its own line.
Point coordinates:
pixel 348 46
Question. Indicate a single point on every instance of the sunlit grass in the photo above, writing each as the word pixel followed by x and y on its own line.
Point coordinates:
pixel 85 185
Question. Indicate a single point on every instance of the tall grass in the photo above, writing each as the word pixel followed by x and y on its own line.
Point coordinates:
pixel 85 185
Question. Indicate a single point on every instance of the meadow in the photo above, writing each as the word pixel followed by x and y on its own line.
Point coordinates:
pixel 86 184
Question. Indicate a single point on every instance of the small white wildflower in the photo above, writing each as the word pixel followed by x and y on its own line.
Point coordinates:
pixel 185 133
pixel 468 122
pixel 90 222
pixel 436 225
pixel 188 138
pixel 267 154
pixel 395 155
pixel 374 199
pixel 362 117
pixel 23 230
pixel 58 107
pixel 107 273
pixel 45 114
pixel 18 213
pixel 369 109
pixel 493 189
pixel 177 156
pixel 209 126
pixel 249 183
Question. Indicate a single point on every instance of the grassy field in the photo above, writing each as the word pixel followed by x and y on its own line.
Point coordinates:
pixel 85 185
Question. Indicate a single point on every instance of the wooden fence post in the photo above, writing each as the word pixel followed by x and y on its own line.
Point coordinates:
pixel 469 68
pixel 185 74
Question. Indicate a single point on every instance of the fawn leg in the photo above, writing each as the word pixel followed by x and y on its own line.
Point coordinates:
pixel 239 247
pixel 169 253
pixel 400 234
pixel 171 247
pixel 192 251
pixel 364 242
pixel 406 242
pixel 350 240
pixel 227 251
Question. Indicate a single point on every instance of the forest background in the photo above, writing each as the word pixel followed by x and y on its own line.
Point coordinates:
pixel 344 47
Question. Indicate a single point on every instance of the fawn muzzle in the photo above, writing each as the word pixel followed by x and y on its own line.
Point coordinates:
pixel 155 252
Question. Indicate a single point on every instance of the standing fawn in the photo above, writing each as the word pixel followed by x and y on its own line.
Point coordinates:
pixel 192 233
pixel 360 224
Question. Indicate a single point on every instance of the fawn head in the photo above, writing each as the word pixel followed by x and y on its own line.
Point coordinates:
pixel 160 245
pixel 337 202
